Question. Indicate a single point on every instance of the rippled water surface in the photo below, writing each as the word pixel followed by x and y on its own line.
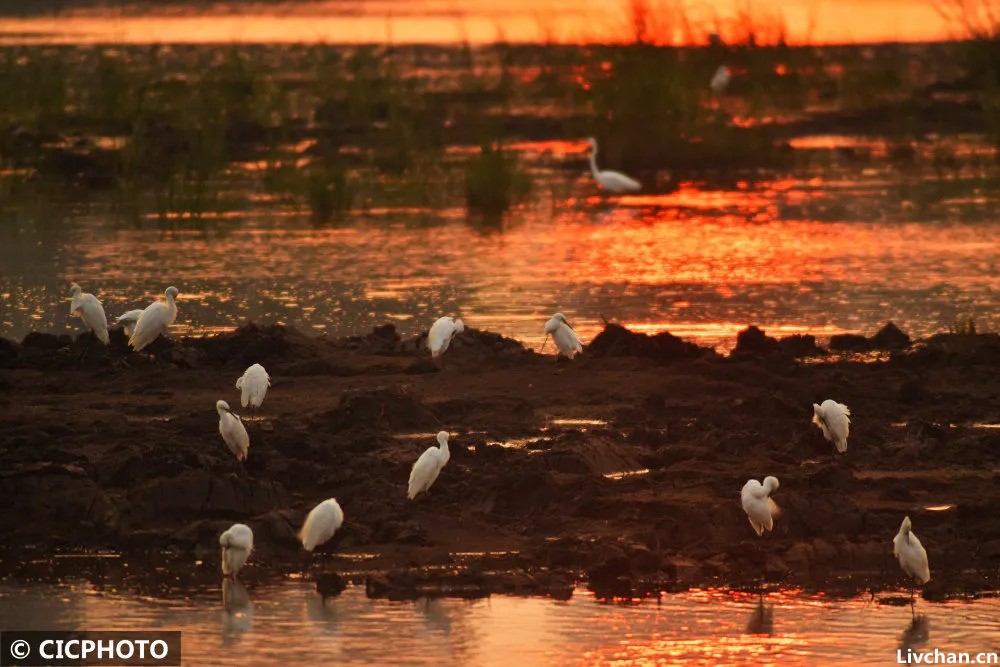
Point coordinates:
pixel 287 622
pixel 701 262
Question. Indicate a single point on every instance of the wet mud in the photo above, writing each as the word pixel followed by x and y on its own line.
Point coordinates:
pixel 622 468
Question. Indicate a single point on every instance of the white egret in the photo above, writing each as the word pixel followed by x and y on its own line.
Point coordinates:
pixel 757 503
pixel 128 320
pixel 428 467
pixel 233 431
pixel 236 543
pixel 253 385
pixel 720 80
pixel 833 419
pixel 322 522
pixel 89 309
pixel 911 554
pixel 612 181
pixel 441 333
pixel 154 321
pixel 564 336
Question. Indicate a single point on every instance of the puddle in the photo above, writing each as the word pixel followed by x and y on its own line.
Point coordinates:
pixel 624 474
pixel 571 421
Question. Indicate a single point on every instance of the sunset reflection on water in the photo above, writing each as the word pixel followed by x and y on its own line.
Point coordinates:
pixel 278 622
pixel 698 262
pixel 476 21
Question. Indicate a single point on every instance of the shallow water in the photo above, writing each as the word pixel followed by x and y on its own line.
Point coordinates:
pixel 701 262
pixel 447 21
pixel 285 622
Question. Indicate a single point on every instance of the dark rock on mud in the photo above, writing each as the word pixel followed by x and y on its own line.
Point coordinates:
pixel 617 341
pixel 753 341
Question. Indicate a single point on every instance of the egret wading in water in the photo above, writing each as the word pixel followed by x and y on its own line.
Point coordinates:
pixel 128 320
pixel 833 419
pixel 911 554
pixel 757 503
pixel 253 384
pixel 565 338
pixel 612 181
pixel 237 543
pixel 86 306
pixel 720 80
pixel 428 467
pixel 441 334
pixel 154 321
pixel 233 432
pixel 323 521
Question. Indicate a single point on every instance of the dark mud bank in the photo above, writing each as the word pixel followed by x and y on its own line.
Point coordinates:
pixel 622 467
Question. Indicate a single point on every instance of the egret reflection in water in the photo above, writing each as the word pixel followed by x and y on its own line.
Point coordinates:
pixel 237 609
pixel 916 634
pixel 762 619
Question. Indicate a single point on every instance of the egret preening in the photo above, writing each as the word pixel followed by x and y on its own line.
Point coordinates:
pixel 562 333
pixel 90 310
pixel 128 320
pixel 322 522
pixel 612 181
pixel 253 385
pixel 911 554
pixel 441 333
pixel 237 543
pixel 833 419
pixel 233 431
pixel 154 321
pixel 720 80
pixel 428 467
pixel 757 503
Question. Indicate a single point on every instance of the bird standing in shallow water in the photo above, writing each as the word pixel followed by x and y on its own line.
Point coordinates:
pixel 233 432
pixel 612 181
pixel 720 80
pixel 89 309
pixel 237 543
pixel 428 467
pixel 323 521
pixel 565 338
pixel 441 334
pixel 128 320
pixel 833 419
pixel 154 321
pixel 253 385
pixel 757 503
pixel 911 554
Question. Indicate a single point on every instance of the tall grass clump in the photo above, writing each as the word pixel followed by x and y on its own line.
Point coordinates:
pixel 495 181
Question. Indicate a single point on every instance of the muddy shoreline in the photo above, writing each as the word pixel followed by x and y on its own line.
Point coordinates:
pixel 622 468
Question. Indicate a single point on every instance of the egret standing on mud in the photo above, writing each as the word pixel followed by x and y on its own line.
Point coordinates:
pixel 154 321
pixel 237 543
pixel 322 522
pixel 89 309
pixel 253 385
pixel 833 419
pixel 233 432
pixel 428 467
pixel 566 340
pixel 128 320
pixel 911 554
pixel 757 503
pixel 612 181
pixel 441 333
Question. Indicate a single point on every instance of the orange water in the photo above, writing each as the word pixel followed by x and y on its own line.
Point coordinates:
pixel 484 21
pixel 287 622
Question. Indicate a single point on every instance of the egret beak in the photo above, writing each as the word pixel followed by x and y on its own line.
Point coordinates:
pixel 542 348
